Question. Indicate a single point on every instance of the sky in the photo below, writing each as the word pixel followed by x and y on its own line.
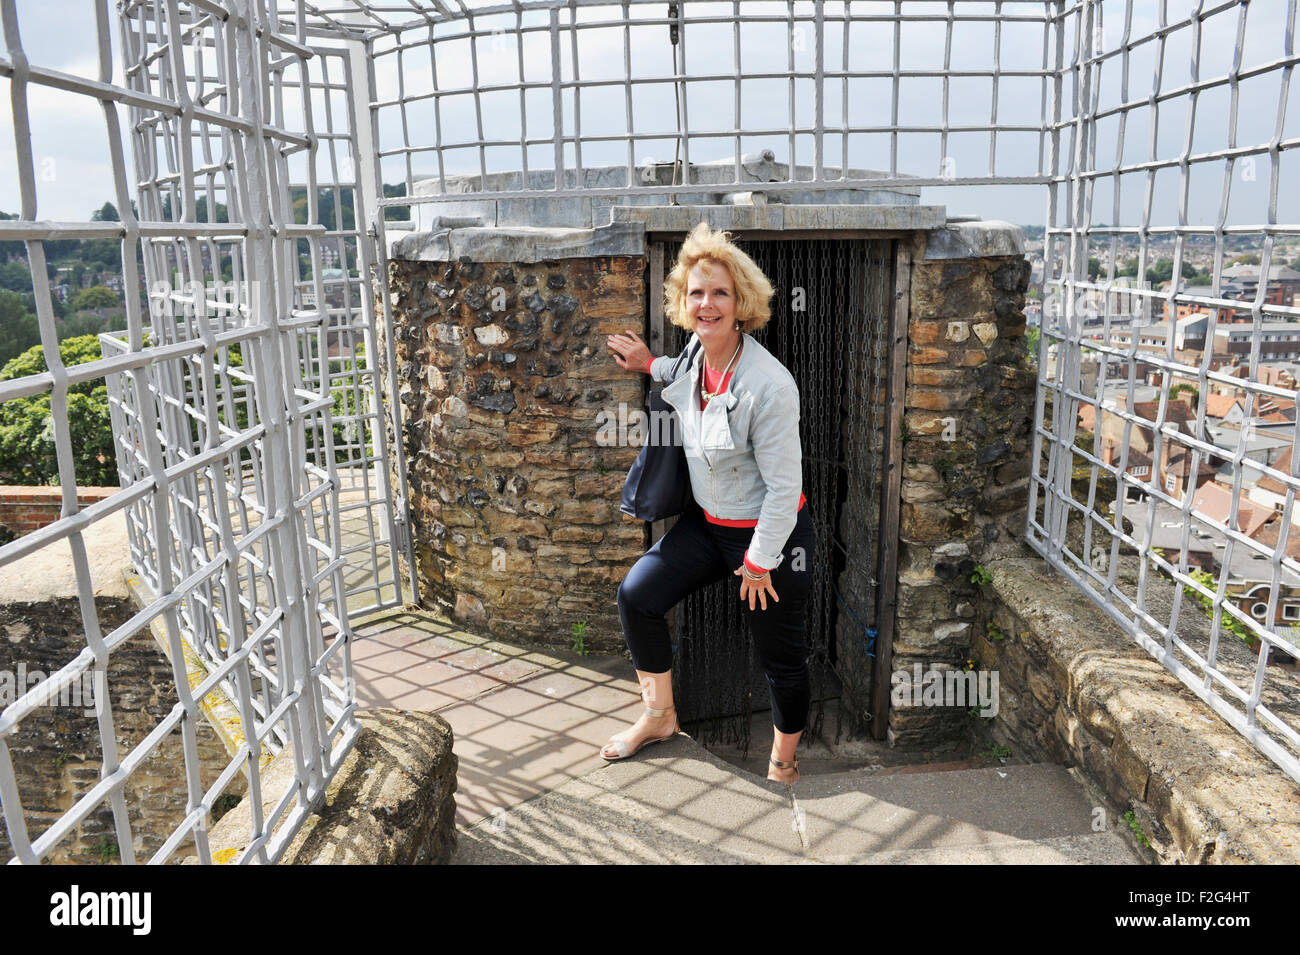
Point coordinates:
pixel 74 177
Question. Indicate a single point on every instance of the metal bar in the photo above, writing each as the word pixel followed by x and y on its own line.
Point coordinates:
pixel 891 495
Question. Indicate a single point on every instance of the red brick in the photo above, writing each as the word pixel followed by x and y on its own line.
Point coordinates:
pixel 925 333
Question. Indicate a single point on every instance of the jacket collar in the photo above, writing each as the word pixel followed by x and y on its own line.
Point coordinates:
pixel 683 392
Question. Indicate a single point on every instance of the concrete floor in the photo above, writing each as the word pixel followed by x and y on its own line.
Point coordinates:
pixel 531 787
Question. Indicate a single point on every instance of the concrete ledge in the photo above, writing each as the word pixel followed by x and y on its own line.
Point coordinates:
pixel 1076 689
pixel 391 802
pixel 973 240
pixel 782 217
pixel 519 243
pixel 221 712
pixel 625 232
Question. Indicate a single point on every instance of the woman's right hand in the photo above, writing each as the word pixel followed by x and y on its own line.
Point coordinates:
pixel 630 352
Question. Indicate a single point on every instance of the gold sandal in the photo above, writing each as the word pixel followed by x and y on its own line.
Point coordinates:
pixel 784 764
pixel 621 745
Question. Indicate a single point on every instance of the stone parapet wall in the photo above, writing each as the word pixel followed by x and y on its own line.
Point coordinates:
pixel 56 751
pixel 968 410
pixel 392 801
pixel 503 375
pixel 1077 690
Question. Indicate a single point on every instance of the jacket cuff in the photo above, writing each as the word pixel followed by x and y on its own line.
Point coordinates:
pixel 760 563
pixel 649 366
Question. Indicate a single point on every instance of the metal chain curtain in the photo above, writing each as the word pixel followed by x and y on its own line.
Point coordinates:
pixel 829 317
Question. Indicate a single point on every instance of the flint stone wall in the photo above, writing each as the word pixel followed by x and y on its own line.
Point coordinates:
pixel 503 375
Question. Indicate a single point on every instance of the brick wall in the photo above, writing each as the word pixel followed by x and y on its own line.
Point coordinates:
pixel 27 509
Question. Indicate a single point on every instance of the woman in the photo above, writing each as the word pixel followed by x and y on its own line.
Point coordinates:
pixel 739 409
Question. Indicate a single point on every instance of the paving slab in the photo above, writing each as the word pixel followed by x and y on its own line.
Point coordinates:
pixel 532 788
pixel 683 805
pixel 679 805
pixel 859 812
pixel 525 721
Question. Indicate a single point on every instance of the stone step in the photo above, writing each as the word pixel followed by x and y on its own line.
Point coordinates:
pixel 678 803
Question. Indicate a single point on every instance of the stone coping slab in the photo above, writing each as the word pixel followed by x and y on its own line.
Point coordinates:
pixel 391 802
pixel 625 233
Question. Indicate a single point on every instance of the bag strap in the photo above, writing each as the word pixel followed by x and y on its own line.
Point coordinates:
pixel 693 349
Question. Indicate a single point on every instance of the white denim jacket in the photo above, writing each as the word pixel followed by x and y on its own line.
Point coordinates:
pixel 752 468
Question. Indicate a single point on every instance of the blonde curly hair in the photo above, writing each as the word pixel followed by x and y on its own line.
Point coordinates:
pixel 712 246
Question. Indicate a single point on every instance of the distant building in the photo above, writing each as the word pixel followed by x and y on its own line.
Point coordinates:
pixel 1251 597
pixel 1215 502
pixel 1278 340
pixel 1189 334
pixel 1244 280
pixel 1270 492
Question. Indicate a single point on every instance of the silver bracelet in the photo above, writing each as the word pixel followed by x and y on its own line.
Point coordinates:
pixel 750 576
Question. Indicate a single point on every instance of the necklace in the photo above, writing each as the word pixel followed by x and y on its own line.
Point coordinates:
pixel 708 395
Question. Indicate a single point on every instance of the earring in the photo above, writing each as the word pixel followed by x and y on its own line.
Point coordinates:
pixel 737 326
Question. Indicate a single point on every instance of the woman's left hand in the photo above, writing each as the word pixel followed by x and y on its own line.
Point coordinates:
pixel 749 589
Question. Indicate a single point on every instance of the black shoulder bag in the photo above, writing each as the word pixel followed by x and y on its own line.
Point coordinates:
pixel 659 483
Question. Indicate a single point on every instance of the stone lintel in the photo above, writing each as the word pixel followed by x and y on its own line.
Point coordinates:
pixel 783 218
pixel 974 240
pixel 520 244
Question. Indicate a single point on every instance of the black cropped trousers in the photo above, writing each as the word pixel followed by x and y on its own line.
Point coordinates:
pixel 695 553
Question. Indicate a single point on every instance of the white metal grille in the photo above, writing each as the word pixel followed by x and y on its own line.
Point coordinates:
pixel 249 436
pixel 1162 120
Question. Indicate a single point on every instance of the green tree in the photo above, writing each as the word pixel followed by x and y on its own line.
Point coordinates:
pixel 19 329
pixel 106 213
pixel 105 253
pixel 1162 271
pixel 81 323
pixel 396 213
pixel 1031 343
pixel 90 299
pixel 11 248
pixel 16 276
pixel 27 454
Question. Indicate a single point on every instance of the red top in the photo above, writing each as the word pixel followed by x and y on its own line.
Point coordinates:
pixel 713 385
